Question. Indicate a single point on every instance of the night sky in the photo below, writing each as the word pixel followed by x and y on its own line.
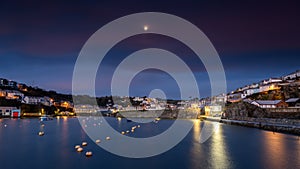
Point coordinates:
pixel 40 41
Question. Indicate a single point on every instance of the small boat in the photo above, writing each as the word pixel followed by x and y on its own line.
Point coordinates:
pixel 107 138
pixel 77 146
pixel 79 149
pixel 156 120
pixel 122 132
pixel 88 154
pixel 45 118
pixel 84 144
pixel 41 133
pixel 98 141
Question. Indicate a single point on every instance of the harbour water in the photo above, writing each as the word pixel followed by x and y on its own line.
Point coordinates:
pixel 229 147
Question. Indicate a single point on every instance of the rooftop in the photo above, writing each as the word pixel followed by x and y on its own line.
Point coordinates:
pixel 267 102
pixel 291 100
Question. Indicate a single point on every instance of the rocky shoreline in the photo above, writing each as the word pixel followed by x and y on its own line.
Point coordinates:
pixel 275 127
pixel 245 114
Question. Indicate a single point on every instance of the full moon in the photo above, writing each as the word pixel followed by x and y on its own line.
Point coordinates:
pixel 145 28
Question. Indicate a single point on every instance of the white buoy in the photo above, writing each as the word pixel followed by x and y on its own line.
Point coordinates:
pixel 5 125
pixel 88 154
pixel 138 126
pixel 41 133
pixel 98 141
pixel 77 146
pixel 107 138
pixel 84 144
pixel 79 149
pixel 127 131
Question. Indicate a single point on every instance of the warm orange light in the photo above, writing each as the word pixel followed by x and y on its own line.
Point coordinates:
pixel 65 118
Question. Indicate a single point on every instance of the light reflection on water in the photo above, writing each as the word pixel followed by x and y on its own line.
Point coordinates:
pixel 65 130
pixel 276 148
pixel 195 149
pixel 228 147
pixel 219 155
pixel 214 150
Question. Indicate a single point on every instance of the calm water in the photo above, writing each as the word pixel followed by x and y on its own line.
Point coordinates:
pixel 229 147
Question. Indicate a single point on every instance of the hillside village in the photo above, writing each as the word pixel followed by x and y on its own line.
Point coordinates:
pixel 273 94
pixel 281 92
pixel 18 99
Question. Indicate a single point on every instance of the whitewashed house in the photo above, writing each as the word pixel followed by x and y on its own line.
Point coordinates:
pixel 251 91
pixel 270 103
pixel 219 99
pixel 291 76
pixel 138 99
pixel 271 80
pixel 47 101
pixel 213 110
pixel 14 94
pixel 32 100
pixel 9 111
pixel 254 85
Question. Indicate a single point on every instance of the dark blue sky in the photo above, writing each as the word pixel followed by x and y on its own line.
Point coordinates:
pixel 40 41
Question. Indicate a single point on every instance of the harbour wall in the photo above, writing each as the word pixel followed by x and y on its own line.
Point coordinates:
pixel 275 125
pixel 166 114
